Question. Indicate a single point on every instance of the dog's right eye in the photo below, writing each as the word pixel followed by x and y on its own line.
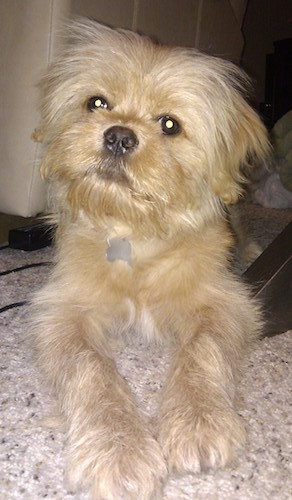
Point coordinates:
pixel 97 102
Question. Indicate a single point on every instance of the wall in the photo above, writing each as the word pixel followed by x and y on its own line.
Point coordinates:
pixel 213 26
pixel 265 22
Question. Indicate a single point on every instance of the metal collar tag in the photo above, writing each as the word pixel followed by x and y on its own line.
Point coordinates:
pixel 119 249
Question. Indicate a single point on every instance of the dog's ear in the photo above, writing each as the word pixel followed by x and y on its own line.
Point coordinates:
pixel 244 146
pixel 241 146
pixel 234 138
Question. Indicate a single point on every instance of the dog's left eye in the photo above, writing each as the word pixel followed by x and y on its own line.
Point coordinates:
pixel 97 102
pixel 169 125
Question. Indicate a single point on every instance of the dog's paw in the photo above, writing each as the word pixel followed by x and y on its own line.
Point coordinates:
pixel 198 441
pixel 118 469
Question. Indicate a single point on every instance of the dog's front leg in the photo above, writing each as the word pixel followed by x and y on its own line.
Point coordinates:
pixel 110 450
pixel 198 426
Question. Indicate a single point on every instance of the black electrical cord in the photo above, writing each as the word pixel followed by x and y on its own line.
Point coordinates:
pixel 12 306
pixel 26 266
pixel 15 270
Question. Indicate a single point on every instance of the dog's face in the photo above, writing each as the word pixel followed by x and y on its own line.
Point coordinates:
pixel 146 135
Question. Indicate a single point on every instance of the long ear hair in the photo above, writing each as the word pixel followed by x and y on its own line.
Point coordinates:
pixel 234 138
pixel 245 145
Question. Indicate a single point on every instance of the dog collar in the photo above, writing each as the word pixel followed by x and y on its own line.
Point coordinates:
pixel 119 249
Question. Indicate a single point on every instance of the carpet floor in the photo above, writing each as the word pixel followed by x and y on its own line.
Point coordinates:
pixel 33 457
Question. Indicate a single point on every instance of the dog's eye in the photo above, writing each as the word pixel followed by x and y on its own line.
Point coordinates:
pixel 169 125
pixel 97 102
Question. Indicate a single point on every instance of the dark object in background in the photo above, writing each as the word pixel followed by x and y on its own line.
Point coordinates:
pixel 31 237
pixel 278 86
pixel 271 277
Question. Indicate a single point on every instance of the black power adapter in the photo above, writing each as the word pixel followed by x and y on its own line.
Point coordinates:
pixel 31 237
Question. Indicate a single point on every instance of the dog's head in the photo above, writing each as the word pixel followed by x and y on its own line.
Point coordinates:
pixel 147 135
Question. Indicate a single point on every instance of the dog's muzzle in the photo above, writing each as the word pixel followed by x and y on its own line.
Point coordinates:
pixel 120 140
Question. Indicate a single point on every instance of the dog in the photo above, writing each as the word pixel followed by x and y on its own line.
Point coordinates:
pixel 144 147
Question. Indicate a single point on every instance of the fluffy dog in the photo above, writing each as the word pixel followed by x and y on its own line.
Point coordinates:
pixel 144 147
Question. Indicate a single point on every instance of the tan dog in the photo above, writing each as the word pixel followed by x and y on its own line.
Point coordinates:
pixel 144 145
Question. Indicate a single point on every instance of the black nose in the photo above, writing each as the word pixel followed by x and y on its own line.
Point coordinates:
pixel 120 140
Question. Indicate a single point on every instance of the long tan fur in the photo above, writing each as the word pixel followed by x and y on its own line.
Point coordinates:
pixel 166 198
